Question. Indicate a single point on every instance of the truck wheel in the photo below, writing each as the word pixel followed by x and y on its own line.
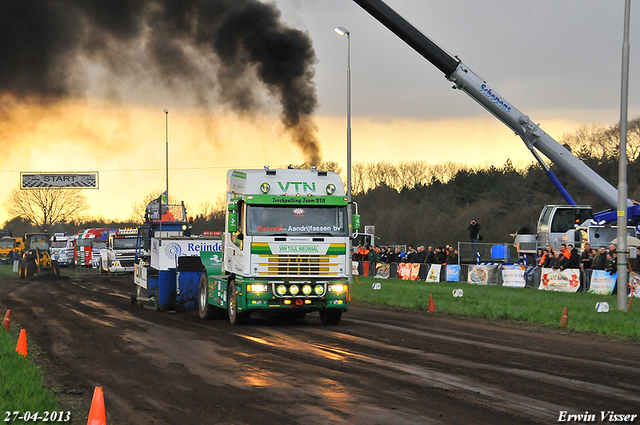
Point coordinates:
pixel 156 302
pixel 330 317
pixel 206 310
pixel 232 306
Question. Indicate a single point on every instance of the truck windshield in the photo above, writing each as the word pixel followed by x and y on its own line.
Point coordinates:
pixel 83 242
pixel 6 244
pixel 58 244
pixel 39 242
pixel 124 243
pixel 295 221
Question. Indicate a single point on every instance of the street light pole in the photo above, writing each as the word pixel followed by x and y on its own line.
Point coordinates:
pixel 166 137
pixel 342 31
pixel 622 167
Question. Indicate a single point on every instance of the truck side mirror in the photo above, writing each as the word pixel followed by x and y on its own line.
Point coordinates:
pixel 232 223
pixel 355 222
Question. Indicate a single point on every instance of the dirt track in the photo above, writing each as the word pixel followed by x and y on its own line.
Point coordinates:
pixel 377 367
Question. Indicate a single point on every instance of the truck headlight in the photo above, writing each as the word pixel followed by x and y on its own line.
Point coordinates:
pixel 306 289
pixel 281 289
pixel 319 289
pixel 257 287
pixel 338 287
pixel 294 289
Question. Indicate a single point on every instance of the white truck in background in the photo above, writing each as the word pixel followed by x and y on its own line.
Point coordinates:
pixel 120 252
pixel 61 249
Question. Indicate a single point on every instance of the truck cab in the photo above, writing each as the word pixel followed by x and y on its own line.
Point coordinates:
pixel 60 252
pixel 285 248
pixel 7 245
pixel 120 253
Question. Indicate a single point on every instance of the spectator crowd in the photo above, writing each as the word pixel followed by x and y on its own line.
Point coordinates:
pixel 384 254
pixel 569 258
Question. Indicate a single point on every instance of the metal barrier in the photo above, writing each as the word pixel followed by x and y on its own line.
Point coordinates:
pixel 82 270
pixel 488 252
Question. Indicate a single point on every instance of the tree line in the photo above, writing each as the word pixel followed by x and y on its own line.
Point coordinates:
pixel 412 202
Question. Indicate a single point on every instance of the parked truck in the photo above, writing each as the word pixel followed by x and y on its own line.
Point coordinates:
pixel 10 248
pixel 557 223
pixel 88 243
pixel 62 249
pixel 120 252
pixel 286 247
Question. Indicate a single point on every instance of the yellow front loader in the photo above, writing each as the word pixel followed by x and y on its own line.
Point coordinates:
pixel 36 258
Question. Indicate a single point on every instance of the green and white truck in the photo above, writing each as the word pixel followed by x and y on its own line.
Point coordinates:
pixel 286 247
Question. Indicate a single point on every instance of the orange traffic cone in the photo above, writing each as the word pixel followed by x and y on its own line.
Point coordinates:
pixel 564 322
pixel 431 306
pixel 97 415
pixel 6 323
pixel 21 348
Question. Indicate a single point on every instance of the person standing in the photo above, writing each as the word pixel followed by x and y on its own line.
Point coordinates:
pixel 431 255
pixel 422 254
pixel 586 258
pixel 474 234
pixel 600 259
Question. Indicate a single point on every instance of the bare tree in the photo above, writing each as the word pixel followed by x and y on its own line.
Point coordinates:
pixel 213 209
pixel 357 178
pixel 45 207
pixel 381 173
pixel 412 174
pixel 445 171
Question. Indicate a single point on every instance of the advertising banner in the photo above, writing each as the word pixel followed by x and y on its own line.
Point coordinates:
pixel 165 252
pixel 513 275
pixel 404 272
pixel 602 283
pixel 382 270
pixel 434 273
pixel 560 280
pixel 634 282
pixel 409 271
pixel 483 275
pixel 453 273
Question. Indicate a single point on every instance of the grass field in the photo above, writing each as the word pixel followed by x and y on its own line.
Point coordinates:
pixel 21 386
pixel 505 304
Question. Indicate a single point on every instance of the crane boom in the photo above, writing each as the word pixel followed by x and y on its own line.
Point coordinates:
pixel 472 84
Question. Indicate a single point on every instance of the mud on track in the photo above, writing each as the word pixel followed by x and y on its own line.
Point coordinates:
pixel 377 367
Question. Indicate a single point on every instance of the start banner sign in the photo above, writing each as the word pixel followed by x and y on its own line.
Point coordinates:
pixel 87 180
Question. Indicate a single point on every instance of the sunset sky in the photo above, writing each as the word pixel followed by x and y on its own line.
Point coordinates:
pixel 557 61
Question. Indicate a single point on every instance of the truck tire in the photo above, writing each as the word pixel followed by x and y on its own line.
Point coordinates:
pixel 206 310
pixel 232 306
pixel 156 302
pixel 330 317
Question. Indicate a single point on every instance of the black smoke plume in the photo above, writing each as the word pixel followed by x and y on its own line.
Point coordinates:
pixel 221 45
